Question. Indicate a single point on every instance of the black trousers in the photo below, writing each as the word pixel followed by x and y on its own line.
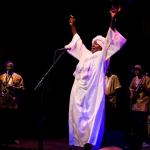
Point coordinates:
pixel 139 130
pixel 113 133
pixel 9 125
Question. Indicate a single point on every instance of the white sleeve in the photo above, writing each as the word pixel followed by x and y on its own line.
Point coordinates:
pixel 76 47
pixel 114 42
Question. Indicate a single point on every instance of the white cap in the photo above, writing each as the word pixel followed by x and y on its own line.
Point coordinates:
pixel 100 40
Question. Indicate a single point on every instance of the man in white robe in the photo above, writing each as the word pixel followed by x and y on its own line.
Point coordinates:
pixel 87 99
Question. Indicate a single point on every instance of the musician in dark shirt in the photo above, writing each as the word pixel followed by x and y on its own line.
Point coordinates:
pixel 140 97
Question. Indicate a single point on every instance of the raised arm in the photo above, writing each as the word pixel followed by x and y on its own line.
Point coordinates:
pixel 114 40
pixel 114 12
pixel 76 47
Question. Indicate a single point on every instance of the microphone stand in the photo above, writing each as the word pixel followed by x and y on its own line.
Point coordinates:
pixel 42 116
pixel 45 75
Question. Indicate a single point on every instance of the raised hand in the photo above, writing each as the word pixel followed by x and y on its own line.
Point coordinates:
pixel 71 20
pixel 72 24
pixel 115 10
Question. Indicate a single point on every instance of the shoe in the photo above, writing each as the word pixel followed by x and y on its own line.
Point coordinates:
pixel 144 144
pixel 89 146
pixel 16 141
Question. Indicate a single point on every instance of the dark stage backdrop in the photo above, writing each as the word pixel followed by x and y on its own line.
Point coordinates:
pixel 31 32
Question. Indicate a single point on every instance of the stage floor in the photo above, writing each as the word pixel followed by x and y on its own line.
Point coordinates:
pixel 35 144
pixel 46 144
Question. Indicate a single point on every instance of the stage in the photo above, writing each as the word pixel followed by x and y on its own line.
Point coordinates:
pixel 46 144
pixel 35 144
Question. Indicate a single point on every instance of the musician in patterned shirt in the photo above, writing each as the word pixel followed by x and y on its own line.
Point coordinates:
pixel 11 90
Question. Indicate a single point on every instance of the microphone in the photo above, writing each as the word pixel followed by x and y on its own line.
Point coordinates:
pixel 63 49
pixel 7 73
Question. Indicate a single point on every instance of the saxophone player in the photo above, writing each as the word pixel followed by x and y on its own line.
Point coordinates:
pixel 11 92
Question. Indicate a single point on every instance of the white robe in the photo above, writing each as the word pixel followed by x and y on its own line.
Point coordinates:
pixel 87 99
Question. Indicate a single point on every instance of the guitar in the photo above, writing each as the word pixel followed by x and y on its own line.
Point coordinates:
pixel 139 101
pixel 135 92
pixel 141 105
